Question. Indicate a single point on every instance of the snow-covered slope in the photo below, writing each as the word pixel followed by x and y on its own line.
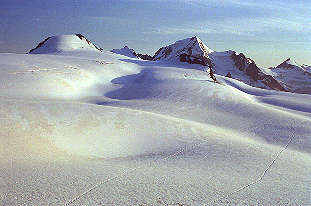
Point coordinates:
pixel 64 43
pixel 296 78
pixel 244 69
pixel 91 129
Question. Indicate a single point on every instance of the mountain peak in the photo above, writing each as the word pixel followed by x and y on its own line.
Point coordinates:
pixel 126 51
pixel 290 61
pixel 61 43
pixel 191 50
pixel 288 64
pixel 195 38
pixel 294 76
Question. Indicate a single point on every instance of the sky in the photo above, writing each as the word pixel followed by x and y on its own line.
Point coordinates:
pixel 267 31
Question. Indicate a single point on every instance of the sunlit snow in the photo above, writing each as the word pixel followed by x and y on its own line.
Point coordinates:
pixel 83 127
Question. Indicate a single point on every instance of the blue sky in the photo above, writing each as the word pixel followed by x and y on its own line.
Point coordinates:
pixel 267 31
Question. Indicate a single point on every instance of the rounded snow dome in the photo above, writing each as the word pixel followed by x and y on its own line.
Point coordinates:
pixel 56 44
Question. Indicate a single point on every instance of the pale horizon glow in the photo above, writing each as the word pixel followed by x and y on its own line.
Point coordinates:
pixel 267 31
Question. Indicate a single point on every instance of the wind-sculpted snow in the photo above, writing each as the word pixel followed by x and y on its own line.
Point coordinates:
pixel 91 128
pixel 87 131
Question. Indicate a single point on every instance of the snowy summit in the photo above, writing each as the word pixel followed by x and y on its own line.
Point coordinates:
pixel 191 50
pixel 64 43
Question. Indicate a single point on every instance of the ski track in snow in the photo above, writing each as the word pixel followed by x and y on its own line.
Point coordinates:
pixel 277 156
pixel 118 176
pixel 213 201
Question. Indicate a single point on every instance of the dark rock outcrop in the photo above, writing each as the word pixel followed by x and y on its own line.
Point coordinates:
pixel 269 81
pixel 286 64
pixel 39 45
pixel 253 71
pixel 88 41
pixel 144 56
pixel 240 61
pixel 249 67
pixel 212 76
pixel 166 50
pixel 205 61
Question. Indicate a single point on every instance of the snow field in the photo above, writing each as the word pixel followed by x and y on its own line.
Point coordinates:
pixel 90 128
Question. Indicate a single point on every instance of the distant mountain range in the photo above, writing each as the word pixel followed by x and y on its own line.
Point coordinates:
pixel 126 51
pixel 288 76
pixel 194 51
pixel 295 78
